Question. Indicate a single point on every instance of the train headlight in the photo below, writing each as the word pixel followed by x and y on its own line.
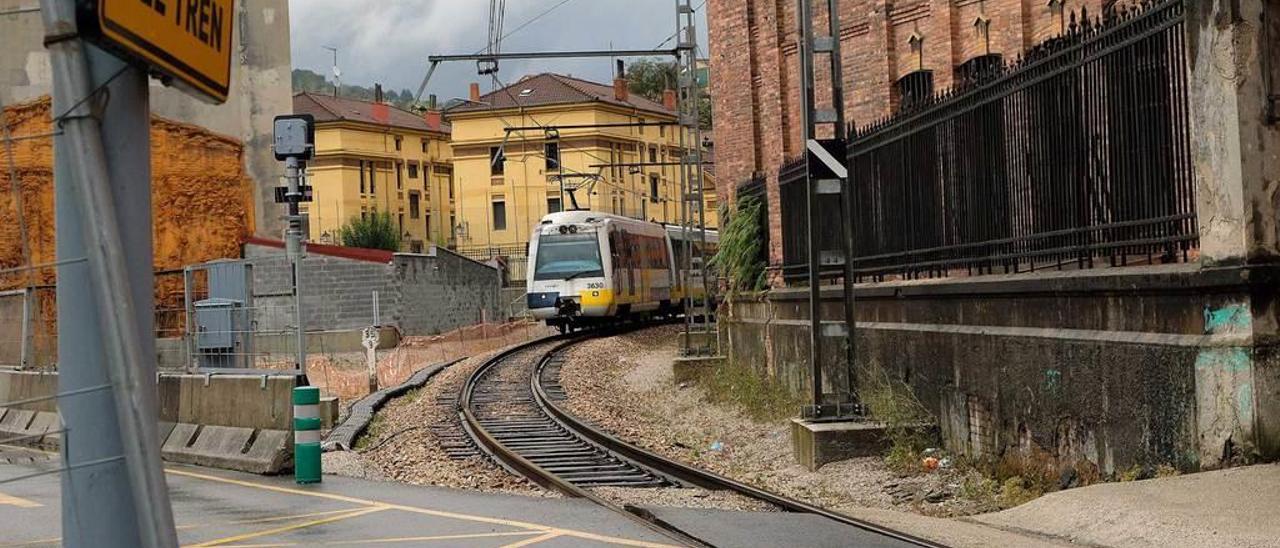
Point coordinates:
pixel 573 229
pixel 564 229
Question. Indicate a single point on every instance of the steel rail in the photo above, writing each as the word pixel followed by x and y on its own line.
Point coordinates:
pixel 509 459
pixel 697 476
pixel 513 462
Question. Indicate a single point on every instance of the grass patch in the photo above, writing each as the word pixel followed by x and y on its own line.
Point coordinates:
pixel 760 397
pixel 372 433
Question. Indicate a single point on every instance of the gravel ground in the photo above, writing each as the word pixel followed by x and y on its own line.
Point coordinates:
pixel 624 385
pixel 405 441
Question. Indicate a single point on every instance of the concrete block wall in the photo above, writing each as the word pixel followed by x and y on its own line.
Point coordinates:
pixel 1125 366
pixel 420 294
pixel 443 290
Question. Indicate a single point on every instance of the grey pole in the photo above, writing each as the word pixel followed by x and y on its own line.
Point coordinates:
pixel 103 214
pixel 293 246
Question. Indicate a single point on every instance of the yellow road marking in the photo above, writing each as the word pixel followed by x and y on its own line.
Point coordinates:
pixel 294 526
pixel 425 539
pixel 534 540
pixel 19 502
pixel 266 520
pixel 423 511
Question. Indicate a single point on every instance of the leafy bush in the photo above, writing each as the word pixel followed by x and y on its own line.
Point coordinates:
pixel 376 231
pixel 740 256
pixel 760 397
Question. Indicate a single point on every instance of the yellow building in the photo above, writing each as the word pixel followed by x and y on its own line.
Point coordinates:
pixel 507 180
pixel 373 157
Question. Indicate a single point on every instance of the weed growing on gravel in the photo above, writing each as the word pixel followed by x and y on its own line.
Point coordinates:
pixel 762 398
pixel 372 433
pixel 892 402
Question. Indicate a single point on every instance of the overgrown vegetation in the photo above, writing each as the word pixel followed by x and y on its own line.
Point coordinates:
pixel 740 257
pixel 760 397
pixel 891 401
pixel 376 231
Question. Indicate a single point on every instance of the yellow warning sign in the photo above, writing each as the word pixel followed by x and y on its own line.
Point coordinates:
pixel 189 40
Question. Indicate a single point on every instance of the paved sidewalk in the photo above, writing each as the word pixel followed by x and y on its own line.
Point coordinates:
pixel 1237 508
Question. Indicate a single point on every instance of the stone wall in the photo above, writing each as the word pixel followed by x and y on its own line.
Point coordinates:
pixel 1152 365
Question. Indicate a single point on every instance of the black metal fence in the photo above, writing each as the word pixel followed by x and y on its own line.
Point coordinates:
pixel 1078 152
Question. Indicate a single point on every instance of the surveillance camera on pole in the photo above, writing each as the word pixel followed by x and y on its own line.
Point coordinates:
pixel 295 142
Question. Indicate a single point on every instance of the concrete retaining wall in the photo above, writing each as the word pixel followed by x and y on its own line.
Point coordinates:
pixel 237 422
pixel 1129 366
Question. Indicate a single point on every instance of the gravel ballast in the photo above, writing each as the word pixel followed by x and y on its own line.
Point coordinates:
pixel 405 442
pixel 624 385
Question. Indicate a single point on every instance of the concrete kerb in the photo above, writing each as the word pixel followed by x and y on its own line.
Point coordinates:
pixel 343 437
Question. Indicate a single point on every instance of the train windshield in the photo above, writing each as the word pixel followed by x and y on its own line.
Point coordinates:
pixel 568 256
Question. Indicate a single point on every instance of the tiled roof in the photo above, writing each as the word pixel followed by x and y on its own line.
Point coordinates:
pixel 327 108
pixel 551 89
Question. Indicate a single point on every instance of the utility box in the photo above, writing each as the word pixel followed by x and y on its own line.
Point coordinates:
pixel 222 333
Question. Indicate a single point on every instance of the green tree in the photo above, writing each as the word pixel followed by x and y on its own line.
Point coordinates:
pixel 650 77
pixel 376 231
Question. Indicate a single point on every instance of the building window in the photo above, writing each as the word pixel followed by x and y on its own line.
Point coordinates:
pixel 373 171
pixel 451 188
pixel 552 153
pixel 399 176
pixel 362 182
pixel 642 126
pixel 499 213
pixel 413 170
pixel 398 142
pixel 979 68
pixel 427 223
pixel 424 146
pixel 915 88
pixel 553 204
pixel 400 221
pixel 453 225
pixel 662 131
pixel 653 155
pixel 653 188
pixel 497 159
pixel 414 205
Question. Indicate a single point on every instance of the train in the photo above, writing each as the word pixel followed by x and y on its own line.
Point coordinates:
pixel 588 267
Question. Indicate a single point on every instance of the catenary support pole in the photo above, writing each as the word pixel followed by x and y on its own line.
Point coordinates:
pixel 103 214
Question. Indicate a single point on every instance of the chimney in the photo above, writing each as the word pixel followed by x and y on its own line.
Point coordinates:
pixel 669 99
pixel 377 93
pixel 433 118
pixel 475 92
pixel 620 91
pixel 431 101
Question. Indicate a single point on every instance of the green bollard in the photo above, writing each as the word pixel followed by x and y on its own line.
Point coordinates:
pixel 306 434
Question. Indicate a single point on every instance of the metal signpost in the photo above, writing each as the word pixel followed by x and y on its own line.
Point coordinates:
pixel 113 486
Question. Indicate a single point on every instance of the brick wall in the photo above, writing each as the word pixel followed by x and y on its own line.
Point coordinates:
pixel 755 68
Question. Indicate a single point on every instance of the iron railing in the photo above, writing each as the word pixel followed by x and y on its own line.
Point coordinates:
pixel 1078 152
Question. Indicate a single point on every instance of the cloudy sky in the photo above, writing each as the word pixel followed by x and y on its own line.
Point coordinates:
pixel 388 41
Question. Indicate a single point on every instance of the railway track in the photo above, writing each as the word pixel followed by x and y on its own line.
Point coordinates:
pixel 510 407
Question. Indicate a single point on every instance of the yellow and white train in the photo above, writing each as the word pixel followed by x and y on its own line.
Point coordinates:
pixel 588 267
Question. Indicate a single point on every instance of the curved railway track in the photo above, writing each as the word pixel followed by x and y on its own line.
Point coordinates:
pixel 510 408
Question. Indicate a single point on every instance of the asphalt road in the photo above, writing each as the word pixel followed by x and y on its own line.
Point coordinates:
pixel 219 508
